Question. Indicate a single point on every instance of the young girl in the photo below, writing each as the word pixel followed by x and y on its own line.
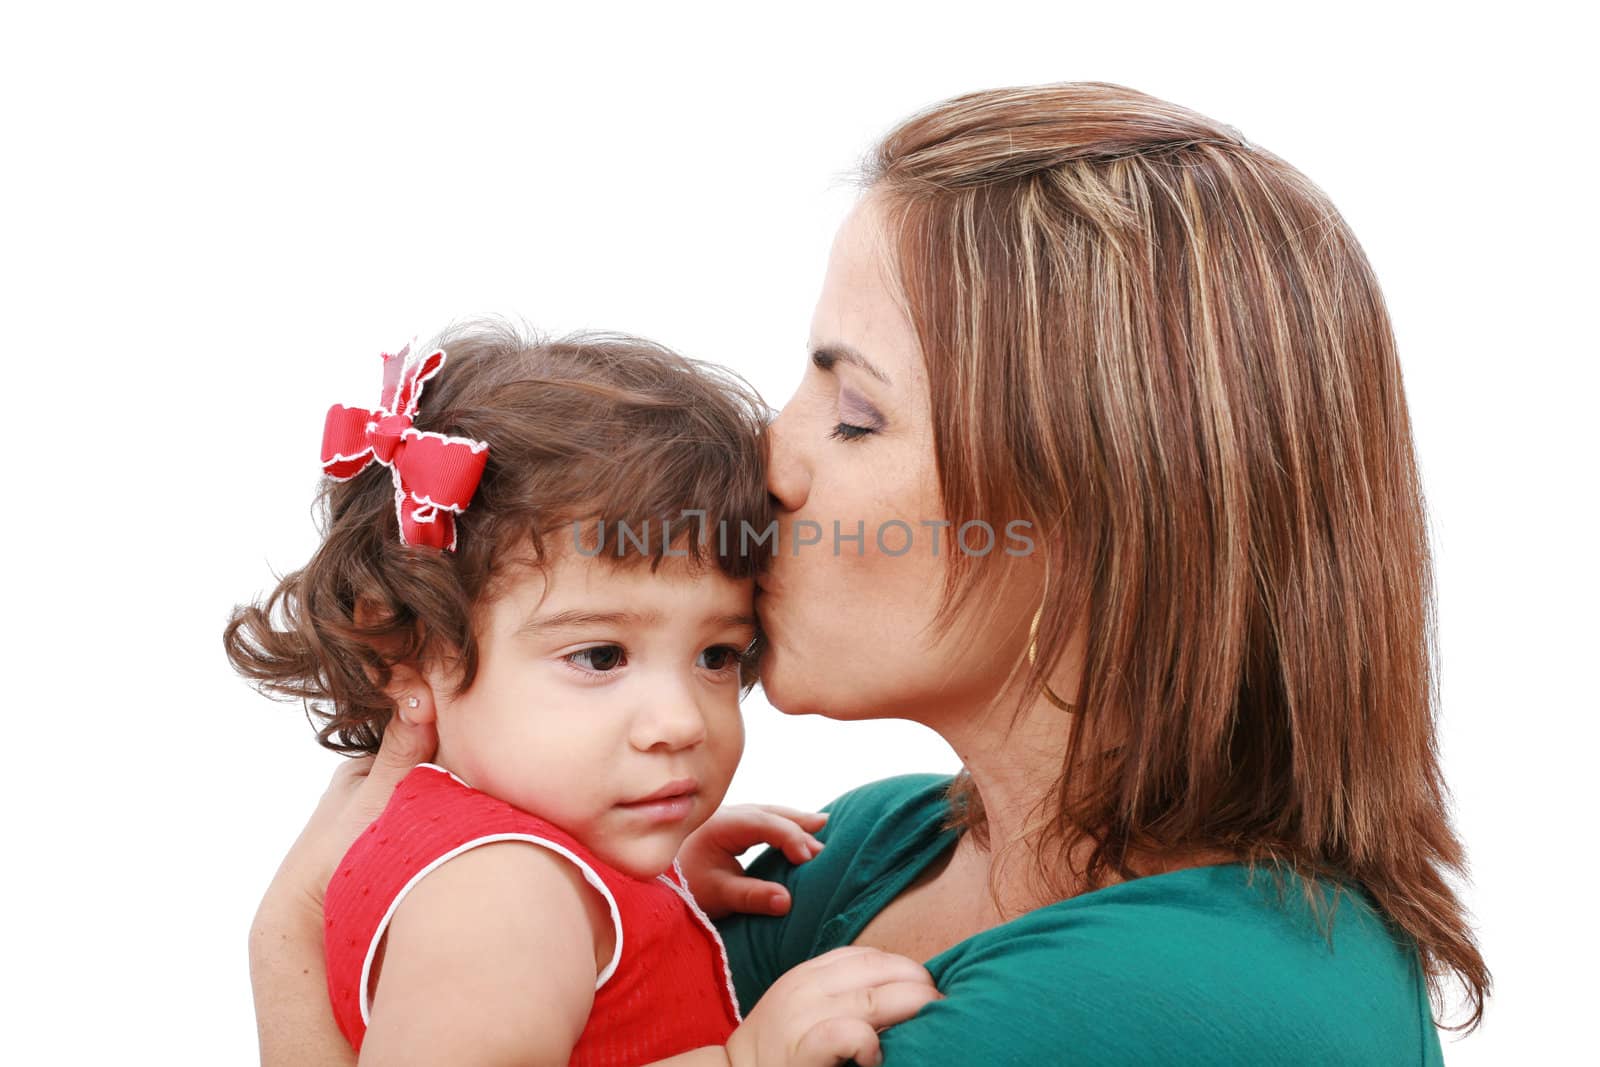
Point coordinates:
pixel 506 554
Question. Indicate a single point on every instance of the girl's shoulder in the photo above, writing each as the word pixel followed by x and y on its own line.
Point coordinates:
pixel 505 929
pixel 406 854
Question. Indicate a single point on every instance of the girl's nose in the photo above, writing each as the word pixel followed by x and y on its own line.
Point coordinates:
pixel 670 718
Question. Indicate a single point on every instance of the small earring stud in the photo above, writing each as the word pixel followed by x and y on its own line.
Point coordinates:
pixel 412 702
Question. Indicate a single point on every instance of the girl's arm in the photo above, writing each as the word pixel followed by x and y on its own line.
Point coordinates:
pixel 828 1009
pixel 288 978
pixel 489 960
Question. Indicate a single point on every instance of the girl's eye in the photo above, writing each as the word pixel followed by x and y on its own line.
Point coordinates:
pixel 719 658
pixel 846 432
pixel 600 658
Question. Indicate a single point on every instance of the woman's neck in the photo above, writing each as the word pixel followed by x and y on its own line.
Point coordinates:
pixel 1016 769
pixel 1019 773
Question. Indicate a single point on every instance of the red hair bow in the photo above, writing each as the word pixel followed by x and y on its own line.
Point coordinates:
pixel 434 475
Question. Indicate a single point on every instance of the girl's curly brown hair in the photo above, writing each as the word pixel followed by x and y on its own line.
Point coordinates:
pixel 592 428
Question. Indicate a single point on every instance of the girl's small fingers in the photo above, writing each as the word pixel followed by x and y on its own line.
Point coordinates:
pixel 855 967
pixel 810 820
pixel 733 833
pixel 890 1003
pixel 752 896
pixel 841 967
pixel 735 829
pixel 796 845
pixel 841 1037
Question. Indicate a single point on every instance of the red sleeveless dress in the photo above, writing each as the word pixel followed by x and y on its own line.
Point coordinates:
pixel 666 990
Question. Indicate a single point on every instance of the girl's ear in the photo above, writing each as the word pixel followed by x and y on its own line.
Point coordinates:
pixel 412 694
pixel 408 687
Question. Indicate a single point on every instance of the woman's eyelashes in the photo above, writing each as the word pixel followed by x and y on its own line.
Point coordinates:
pixel 857 419
pixel 845 432
pixel 607 659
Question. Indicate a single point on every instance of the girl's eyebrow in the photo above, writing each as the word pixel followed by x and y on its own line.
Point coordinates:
pixel 563 620
pixel 825 356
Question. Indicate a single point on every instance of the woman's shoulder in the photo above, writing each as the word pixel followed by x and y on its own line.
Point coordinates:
pixel 1208 964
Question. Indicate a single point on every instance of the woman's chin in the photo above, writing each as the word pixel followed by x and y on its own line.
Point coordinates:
pixel 775 682
pixel 790 685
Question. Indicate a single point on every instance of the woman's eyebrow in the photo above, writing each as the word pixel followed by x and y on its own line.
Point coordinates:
pixel 825 356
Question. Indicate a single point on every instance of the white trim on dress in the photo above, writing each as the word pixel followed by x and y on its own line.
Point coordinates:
pixel 716 938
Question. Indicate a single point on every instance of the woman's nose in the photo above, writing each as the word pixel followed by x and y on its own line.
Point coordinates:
pixel 788 478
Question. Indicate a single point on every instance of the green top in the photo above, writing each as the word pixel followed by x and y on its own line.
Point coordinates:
pixel 1198 966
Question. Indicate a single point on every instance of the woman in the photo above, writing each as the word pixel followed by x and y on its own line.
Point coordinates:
pixel 1200 815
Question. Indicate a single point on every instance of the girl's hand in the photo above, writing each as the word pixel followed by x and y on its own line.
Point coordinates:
pixel 830 1009
pixel 710 856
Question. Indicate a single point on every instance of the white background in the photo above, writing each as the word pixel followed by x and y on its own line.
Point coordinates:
pixel 215 217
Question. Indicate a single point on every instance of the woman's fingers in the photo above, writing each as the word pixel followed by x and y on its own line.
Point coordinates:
pixel 361 788
pixel 404 745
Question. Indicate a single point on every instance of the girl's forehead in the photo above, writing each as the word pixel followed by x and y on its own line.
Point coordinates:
pixel 572 586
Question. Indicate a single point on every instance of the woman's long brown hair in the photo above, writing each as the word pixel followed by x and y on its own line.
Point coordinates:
pixel 1164 346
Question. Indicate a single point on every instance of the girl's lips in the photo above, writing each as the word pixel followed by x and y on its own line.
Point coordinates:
pixel 671 789
pixel 670 809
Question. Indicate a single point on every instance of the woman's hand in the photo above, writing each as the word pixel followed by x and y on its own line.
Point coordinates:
pixel 830 1009
pixel 293 1019
pixel 356 795
pixel 710 856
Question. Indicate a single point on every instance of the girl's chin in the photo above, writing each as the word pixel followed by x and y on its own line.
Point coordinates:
pixel 643 864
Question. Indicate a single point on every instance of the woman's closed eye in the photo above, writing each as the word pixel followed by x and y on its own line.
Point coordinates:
pixel 857 417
